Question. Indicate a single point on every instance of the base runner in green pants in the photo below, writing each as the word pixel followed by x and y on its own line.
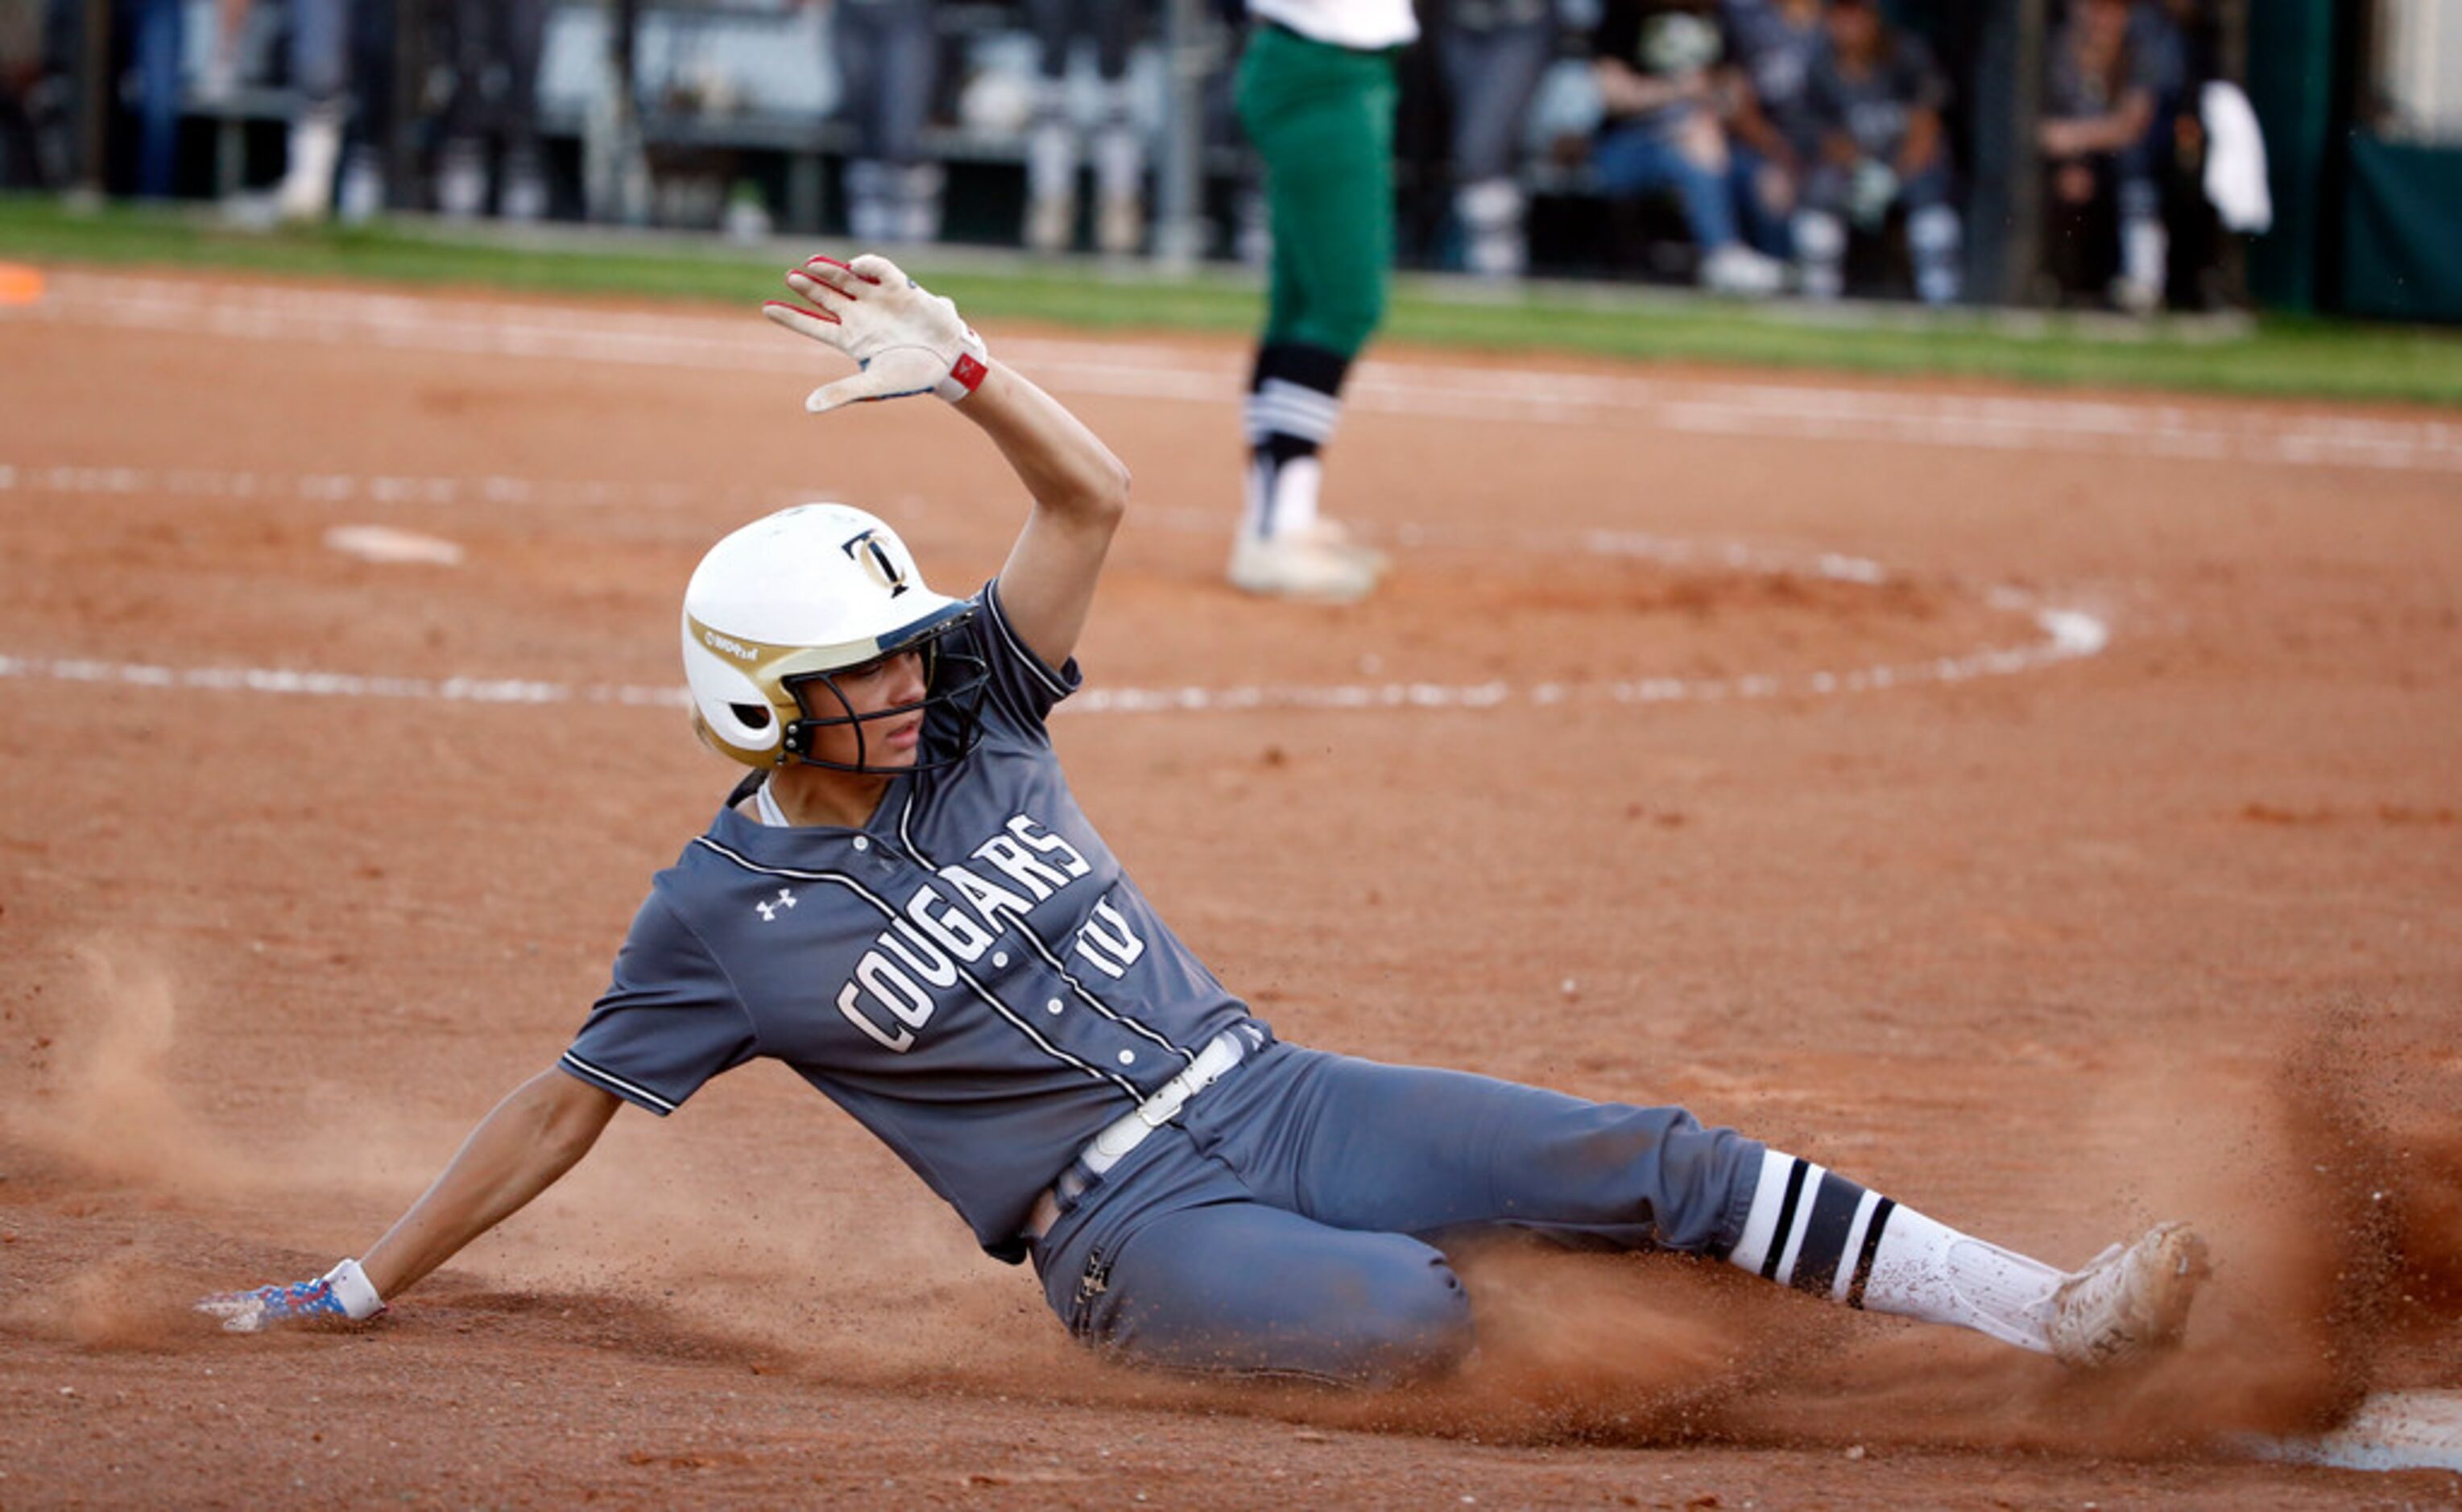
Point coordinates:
pixel 1316 94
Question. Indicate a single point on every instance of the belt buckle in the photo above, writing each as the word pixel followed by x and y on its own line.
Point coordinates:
pixel 1165 1105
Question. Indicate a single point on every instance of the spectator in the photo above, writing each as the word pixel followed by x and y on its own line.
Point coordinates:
pixel 361 195
pixel 319 47
pixel 2109 70
pixel 1493 54
pixel 1116 147
pixel 1771 127
pixel 888 56
pixel 1656 63
pixel 151 36
pixel 21 75
pixel 34 94
pixel 496 47
pixel 1877 97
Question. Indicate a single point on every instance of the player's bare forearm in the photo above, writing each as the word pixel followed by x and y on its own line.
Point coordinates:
pixel 1080 491
pixel 2113 132
pixel 1752 127
pixel 1627 91
pixel 1922 146
pixel 1066 467
pixel 538 1132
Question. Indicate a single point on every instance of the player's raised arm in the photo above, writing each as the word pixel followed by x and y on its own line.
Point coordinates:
pixel 518 1151
pixel 907 341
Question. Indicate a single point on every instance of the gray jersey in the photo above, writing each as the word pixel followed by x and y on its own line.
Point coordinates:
pixel 1778 56
pixel 970 974
pixel 2149 62
pixel 1873 106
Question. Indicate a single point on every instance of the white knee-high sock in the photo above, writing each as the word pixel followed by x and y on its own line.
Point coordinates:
pixel 1817 1231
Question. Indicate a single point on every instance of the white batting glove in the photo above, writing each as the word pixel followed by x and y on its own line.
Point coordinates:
pixel 905 339
pixel 342 1294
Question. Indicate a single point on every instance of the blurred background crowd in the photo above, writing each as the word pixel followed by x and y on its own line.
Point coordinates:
pixel 2089 152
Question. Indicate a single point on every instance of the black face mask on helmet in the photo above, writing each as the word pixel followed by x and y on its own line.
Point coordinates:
pixel 954 686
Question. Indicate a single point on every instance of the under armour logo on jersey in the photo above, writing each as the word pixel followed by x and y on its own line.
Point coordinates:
pixel 868 553
pixel 772 911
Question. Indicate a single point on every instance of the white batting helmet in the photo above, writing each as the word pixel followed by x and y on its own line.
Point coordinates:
pixel 778 606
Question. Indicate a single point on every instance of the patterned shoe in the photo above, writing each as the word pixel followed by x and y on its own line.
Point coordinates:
pixel 2127 1304
pixel 255 1311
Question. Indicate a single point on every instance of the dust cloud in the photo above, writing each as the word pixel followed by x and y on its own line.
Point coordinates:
pixel 117 1113
pixel 2331 1192
pixel 122 1303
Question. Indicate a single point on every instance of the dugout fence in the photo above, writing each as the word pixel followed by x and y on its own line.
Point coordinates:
pixel 679 112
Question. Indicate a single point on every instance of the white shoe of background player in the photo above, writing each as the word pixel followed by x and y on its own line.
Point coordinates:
pixel 2128 1303
pixel 461 181
pixel 1050 222
pixel 306 192
pixel 1738 269
pixel 1319 563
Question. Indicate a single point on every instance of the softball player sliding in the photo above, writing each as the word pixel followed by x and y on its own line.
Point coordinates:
pixel 905 903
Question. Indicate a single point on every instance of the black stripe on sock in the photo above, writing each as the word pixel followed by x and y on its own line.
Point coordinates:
pixel 1785 1217
pixel 1881 1211
pixel 1824 1234
pixel 1319 368
pixel 1281 446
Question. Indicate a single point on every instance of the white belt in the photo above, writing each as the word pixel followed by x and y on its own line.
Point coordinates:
pixel 1111 1143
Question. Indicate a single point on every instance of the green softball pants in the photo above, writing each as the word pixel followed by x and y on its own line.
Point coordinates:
pixel 1321 118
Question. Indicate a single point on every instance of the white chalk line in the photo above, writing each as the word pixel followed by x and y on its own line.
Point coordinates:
pixel 1150 371
pixel 2065 635
pixel 2401 1430
pixel 495 491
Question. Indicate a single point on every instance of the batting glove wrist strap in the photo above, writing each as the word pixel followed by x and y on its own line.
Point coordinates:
pixel 905 339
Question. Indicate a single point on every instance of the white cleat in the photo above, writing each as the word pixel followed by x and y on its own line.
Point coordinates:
pixel 306 193
pixel 1120 227
pixel 462 182
pixel 1050 222
pixel 1320 564
pixel 1737 269
pixel 2126 1304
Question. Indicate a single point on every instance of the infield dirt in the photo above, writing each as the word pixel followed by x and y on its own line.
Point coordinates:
pixel 2170 929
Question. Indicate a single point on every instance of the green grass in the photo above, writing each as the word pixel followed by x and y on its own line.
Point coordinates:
pixel 2273 356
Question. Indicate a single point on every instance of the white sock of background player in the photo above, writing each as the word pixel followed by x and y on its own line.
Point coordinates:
pixel 1294 403
pixel 1819 1232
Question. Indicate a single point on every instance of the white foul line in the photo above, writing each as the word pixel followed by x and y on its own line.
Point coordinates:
pixel 437 492
pixel 2065 635
pixel 1148 370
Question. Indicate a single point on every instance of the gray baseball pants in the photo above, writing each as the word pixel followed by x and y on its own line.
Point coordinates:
pixel 1293 1220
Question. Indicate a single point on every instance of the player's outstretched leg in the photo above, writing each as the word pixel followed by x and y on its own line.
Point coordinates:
pixel 1358 1144
pixel 1814 1230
